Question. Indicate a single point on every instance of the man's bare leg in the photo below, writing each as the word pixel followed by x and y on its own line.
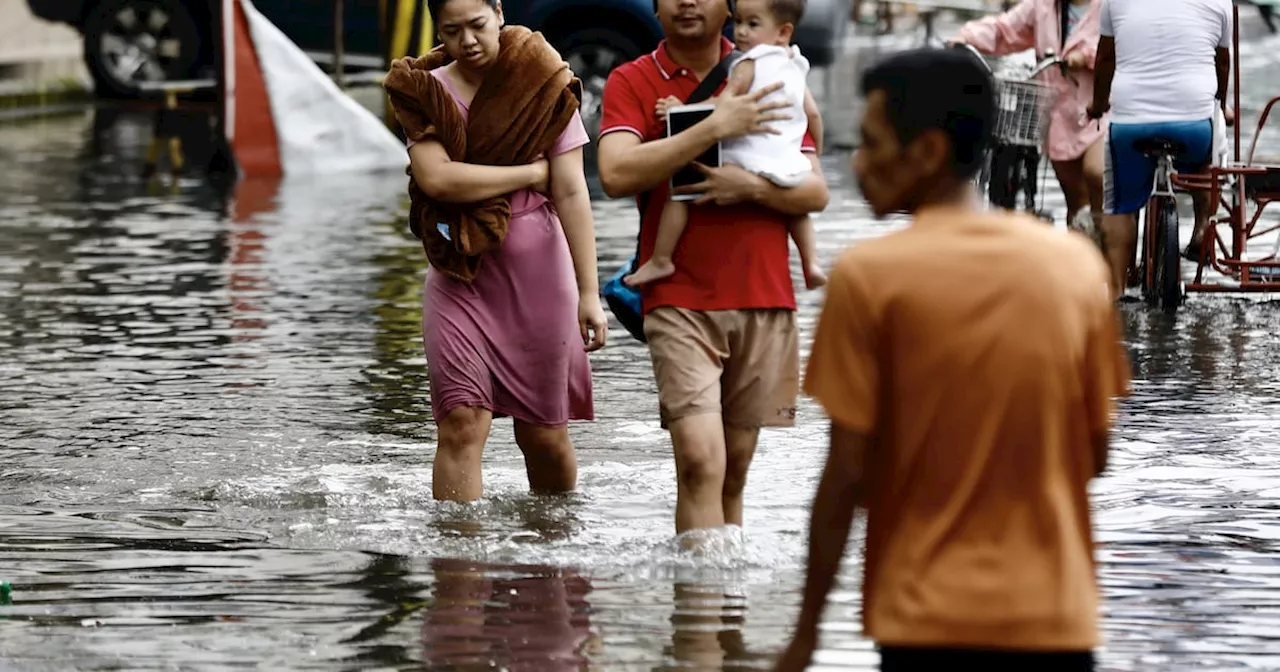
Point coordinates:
pixel 740 448
pixel 1121 235
pixel 802 233
pixel 1204 209
pixel 699 445
pixel 675 217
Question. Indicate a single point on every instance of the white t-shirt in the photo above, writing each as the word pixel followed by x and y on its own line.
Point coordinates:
pixel 776 157
pixel 1164 57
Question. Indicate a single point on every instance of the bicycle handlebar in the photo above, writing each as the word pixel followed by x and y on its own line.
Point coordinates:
pixel 1049 60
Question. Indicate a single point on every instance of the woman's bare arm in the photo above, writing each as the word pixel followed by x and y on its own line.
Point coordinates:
pixel 455 182
pixel 573 204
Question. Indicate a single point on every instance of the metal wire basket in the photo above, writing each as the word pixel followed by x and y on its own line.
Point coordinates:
pixel 1022 111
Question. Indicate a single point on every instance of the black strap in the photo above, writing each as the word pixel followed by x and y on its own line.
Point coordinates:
pixel 706 88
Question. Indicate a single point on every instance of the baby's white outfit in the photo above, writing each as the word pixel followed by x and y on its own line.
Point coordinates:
pixel 775 157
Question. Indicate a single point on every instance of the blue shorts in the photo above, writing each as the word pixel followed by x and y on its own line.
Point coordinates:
pixel 1129 176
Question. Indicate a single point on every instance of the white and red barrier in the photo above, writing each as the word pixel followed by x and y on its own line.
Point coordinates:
pixel 283 116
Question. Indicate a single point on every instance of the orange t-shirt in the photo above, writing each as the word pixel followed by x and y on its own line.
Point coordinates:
pixel 980 352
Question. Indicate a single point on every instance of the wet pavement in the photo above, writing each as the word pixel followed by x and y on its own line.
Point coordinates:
pixel 215 451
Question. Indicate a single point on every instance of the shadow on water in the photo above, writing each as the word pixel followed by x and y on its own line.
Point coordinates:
pixel 215 452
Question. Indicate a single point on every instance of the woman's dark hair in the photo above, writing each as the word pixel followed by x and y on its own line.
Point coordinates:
pixel 1064 15
pixel 434 7
pixel 943 89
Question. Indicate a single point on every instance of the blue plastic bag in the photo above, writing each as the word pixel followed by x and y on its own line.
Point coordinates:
pixel 625 301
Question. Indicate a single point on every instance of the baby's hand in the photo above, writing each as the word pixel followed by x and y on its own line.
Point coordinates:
pixel 663 104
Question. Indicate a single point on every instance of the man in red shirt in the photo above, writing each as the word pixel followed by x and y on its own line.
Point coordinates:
pixel 721 330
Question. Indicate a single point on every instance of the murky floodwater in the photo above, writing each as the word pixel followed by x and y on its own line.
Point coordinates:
pixel 215 453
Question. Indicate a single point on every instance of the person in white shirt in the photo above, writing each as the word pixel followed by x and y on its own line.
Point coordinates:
pixel 763 31
pixel 1169 62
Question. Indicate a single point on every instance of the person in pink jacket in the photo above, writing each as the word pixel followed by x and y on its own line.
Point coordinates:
pixel 1068 28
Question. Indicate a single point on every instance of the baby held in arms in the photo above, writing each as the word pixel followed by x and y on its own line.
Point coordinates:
pixel 763 31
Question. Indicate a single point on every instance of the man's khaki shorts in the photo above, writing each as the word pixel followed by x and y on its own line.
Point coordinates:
pixel 742 364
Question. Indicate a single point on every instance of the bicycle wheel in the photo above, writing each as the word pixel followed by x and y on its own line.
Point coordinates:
pixel 1147 254
pixel 1030 160
pixel 1168 275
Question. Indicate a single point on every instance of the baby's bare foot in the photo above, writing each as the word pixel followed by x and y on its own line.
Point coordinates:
pixel 654 269
pixel 814 277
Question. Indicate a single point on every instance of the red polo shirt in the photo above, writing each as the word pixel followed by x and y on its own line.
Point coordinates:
pixel 730 257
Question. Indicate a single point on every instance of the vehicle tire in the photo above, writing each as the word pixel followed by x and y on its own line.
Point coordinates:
pixel 1168 257
pixel 592 53
pixel 1003 184
pixel 131 41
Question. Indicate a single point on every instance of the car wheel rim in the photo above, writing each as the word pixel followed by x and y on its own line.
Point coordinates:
pixel 592 65
pixel 139 45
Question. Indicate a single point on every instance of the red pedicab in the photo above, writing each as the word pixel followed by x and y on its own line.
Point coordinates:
pixel 1243 190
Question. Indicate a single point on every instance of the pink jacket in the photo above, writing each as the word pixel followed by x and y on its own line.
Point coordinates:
pixel 1035 24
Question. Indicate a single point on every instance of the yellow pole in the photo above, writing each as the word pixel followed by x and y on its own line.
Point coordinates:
pixel 407 31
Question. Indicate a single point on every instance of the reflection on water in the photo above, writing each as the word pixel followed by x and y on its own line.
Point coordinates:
pixel 215 452
pixel 515 617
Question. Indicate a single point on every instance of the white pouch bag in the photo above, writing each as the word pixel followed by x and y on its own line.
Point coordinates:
pixel 1219 152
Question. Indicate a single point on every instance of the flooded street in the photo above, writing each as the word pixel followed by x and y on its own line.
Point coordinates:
pixel 215 452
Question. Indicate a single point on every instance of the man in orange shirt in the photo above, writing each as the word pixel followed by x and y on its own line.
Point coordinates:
pixel 968 364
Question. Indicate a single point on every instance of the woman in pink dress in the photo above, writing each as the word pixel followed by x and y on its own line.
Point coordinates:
pixel 513 342
pixel 1068 28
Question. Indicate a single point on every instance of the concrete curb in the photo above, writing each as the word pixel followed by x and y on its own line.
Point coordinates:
pixel 22 99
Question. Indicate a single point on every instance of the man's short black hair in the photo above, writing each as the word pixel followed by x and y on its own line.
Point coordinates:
pixel 944 89
pixel 787 11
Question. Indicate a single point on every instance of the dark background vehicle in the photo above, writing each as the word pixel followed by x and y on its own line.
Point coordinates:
pixel 127 42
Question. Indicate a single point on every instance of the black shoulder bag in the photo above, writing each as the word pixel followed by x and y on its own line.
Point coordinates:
pixel 624 301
